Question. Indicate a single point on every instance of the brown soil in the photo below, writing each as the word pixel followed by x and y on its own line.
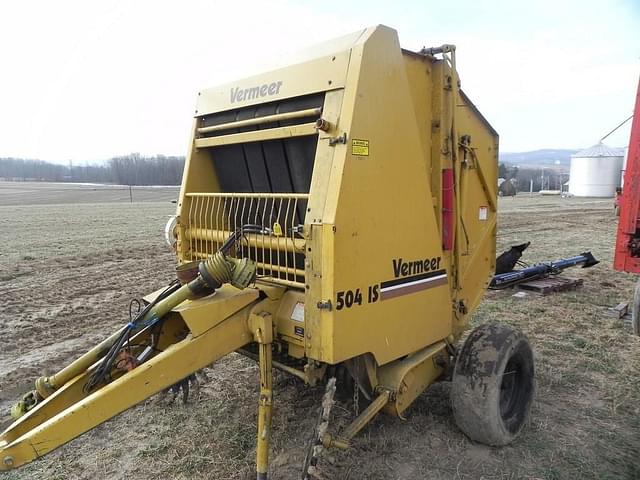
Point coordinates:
pixel 67 273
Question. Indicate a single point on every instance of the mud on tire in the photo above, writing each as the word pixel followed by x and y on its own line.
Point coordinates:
pixel 493 384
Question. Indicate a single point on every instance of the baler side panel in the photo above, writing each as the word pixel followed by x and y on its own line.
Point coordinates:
pixel 478 193
pixel 432 99
pixel 380 211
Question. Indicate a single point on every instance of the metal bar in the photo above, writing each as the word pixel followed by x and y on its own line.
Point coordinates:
pixel 280 366
pixel 286 226
pixel 489 193
pixel 280 282
pixel 190 218
pixel 200 215
pixel 265 404
pixel 270 266
pixel 304 196
pixel 253 239
pixel 219 216
pixel 621 124
pixel 365 417
pixel 207 217
pixel 273 202
pixel 83 363
pixel 262 235
pixel 237 224
pixel 255 248
pixel 280 269
pixel 258 135
pixel 230 227
pixel 310 112
pixel 277 246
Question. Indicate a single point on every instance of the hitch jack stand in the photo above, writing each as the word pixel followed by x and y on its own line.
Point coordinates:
pixel 262 328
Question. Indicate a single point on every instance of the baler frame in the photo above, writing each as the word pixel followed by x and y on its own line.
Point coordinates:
pixel 349 200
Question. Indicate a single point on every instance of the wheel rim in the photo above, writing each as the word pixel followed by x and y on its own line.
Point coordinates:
pixel 515 393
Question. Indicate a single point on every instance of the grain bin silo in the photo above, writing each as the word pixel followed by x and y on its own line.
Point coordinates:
pixel 595 171
pixel 624 165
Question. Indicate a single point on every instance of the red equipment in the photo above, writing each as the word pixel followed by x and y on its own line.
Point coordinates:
pixel 627 254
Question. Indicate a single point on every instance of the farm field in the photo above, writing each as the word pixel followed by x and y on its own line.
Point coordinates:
pixel 48 193
pixel 72 258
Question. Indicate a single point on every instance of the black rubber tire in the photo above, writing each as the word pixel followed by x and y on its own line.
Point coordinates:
pixel 635 310
pixel 489 406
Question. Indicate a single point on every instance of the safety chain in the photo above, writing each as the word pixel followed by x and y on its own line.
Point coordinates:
pixel 315 447
pixel 356 398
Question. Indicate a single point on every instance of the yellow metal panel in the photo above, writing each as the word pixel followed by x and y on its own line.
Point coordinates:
pixel 331 113
pixel 317 75
pixel 317 253
pixel 315 318
pixel 379 210
pixel 438 154
pixel 411 375
pixel 289 318
pixel 476 173
pixel 419 77
pixel 205 313
pixel 479 212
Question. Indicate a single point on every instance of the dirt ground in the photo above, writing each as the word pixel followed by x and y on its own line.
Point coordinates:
pixel 68 271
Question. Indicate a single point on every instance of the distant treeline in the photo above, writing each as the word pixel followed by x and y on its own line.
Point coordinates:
pixel 532 178
pixel 131 169
pixel 134 169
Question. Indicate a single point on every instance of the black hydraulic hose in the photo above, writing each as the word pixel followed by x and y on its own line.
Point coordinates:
pixel 103 370
pixel 233 238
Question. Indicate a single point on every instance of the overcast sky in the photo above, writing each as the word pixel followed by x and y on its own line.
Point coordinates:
pixel 87 80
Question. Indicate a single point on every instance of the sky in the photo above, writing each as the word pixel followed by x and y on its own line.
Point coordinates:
pixel 84 81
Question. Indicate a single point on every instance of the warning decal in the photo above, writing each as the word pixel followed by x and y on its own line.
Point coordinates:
pixel 298 312
pixel 360 147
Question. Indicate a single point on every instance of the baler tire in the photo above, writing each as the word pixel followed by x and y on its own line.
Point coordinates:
pixel 635 310
pixel 493 384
